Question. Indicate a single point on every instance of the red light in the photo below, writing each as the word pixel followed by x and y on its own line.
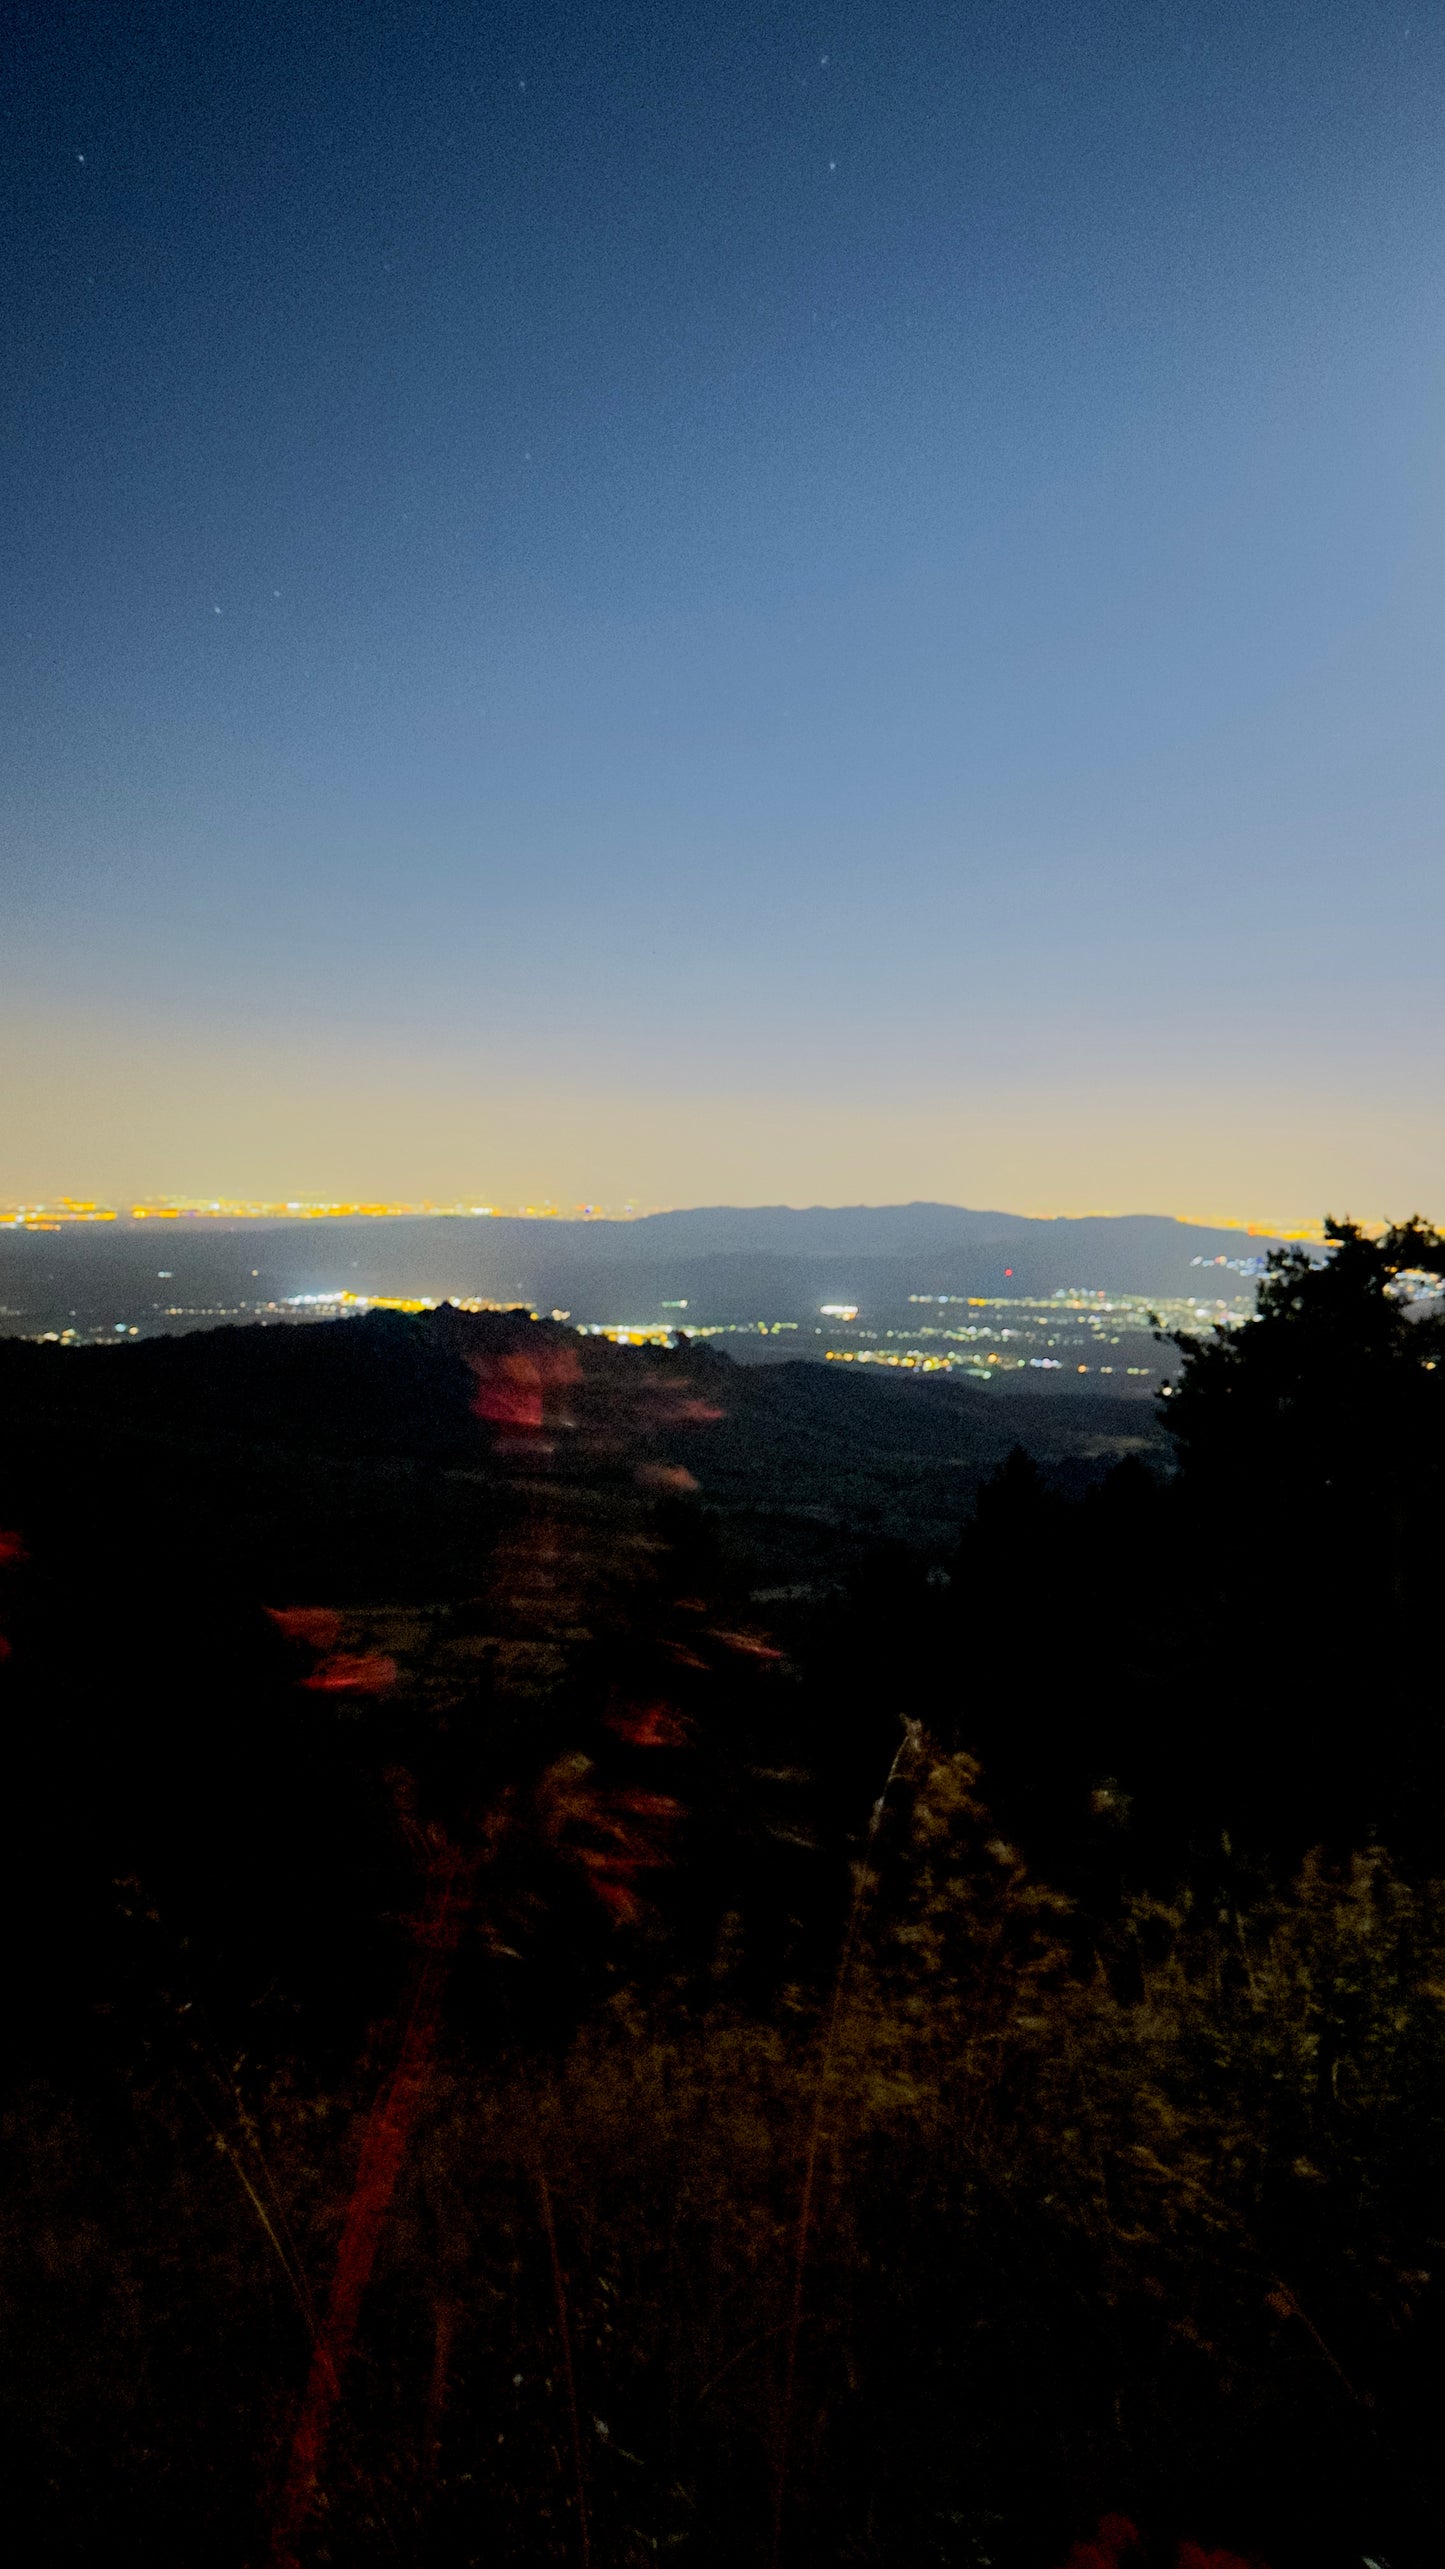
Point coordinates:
pixel 352 1672
pixel 651 1726
pixel 317 1626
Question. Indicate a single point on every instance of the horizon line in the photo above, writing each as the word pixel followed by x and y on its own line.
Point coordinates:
pixel 59 1212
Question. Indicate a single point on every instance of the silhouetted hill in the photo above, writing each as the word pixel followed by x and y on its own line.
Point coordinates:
pixel 350 1452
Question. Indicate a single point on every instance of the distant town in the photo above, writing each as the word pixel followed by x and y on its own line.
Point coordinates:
pixel 55 1213
pixel 62 1209
pixel 1069 1333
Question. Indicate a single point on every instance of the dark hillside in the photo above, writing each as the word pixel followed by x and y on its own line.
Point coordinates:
pixel 573 1903
pixel 372 1421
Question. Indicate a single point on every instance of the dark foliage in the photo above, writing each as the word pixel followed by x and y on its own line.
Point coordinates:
pixel 441 1764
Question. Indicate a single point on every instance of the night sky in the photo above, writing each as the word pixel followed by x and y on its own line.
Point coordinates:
pixel 712 602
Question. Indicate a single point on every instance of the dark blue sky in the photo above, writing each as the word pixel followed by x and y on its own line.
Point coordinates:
pixel 694 601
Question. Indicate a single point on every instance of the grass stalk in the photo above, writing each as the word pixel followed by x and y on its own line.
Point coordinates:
pixel 863 1888
pixel 564 2332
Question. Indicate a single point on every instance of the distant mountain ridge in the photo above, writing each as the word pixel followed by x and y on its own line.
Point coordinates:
pixel 721 1264
pixel 907 1230
pixel 789 1230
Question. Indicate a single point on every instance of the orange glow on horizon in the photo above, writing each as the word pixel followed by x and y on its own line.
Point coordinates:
pixel 57 1212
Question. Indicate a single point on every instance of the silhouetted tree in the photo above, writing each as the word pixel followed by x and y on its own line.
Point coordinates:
pixel 1333 1396
pixel 1311 1442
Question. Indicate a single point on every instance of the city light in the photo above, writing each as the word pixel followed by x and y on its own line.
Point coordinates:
pixel 54 1213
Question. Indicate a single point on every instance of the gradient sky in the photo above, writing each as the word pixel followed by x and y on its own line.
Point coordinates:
pixel 720 601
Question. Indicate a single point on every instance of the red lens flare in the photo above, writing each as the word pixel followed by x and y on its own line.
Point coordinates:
pixel 1116 2543
pixel 317 1626
pixel 512 1390
pixel 353 1672
pixel 666 1476
pixel 649 1726
pixel 384 2147
pixel 339 1672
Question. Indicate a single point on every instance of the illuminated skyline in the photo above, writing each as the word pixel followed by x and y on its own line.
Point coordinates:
pixel 58 1212
pixel 796 606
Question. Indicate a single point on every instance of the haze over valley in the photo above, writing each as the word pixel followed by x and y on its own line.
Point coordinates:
pixel 1044 1304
